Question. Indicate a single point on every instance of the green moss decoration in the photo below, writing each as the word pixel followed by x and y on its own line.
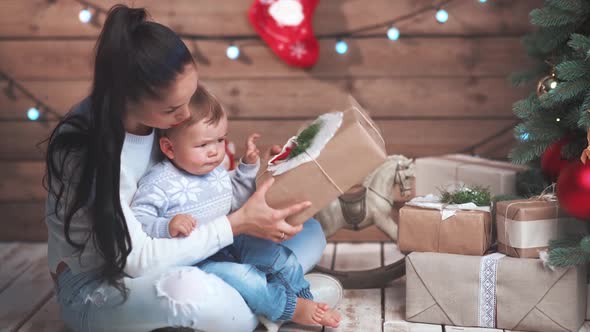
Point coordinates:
pixel 479 195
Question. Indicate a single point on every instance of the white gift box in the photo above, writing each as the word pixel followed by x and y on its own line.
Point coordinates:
pixel 443 172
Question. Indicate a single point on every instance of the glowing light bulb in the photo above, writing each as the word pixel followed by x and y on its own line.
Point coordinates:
pixel 341 47
pixel 33 114
pixel 442 16
pixel 233 52
pixel 393 33
pixel 85 15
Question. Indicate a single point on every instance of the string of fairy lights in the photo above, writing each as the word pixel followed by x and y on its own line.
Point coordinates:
pixel 91 13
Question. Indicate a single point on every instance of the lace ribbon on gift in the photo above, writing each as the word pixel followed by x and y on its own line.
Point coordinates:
pixel 488 270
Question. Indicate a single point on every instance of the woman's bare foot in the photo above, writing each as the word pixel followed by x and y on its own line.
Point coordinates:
pixel 308 312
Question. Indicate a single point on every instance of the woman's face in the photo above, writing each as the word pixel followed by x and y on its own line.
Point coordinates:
pixel 166 112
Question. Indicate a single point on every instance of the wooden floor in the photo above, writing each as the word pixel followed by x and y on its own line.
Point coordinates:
pixel 27 302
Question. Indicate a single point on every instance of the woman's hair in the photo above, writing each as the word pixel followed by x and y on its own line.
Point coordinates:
pixel 202 106
pixel 135 59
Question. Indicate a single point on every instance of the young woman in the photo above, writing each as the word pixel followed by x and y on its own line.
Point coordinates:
pixel 110 276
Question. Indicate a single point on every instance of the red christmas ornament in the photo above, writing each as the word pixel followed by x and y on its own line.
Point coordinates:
pixel 552 162
pixel 286 26
pixel 573 190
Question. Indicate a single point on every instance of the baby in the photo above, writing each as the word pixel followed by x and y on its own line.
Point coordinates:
pixel 192 186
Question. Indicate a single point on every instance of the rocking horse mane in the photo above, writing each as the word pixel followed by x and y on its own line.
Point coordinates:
pixel 381 180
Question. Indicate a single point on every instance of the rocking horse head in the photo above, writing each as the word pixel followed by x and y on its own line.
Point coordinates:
pixel 371 202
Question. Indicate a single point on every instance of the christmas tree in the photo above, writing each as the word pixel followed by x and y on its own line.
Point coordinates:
pixel 555 118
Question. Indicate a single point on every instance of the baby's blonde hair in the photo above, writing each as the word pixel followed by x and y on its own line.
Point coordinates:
pixel 203 105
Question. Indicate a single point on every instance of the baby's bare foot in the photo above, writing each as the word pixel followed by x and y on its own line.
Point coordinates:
pixel 331 318
pixel 308 312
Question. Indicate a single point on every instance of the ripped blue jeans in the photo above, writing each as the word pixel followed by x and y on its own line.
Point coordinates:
pixel 180 296
pixel 266 274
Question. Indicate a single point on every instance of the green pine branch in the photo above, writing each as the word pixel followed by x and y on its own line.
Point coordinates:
pixel 565 257
pixel 304 139
pixel 526 152
pixel 565 91
pixel 571 251
pixel 572 70
pixel 574 6
pixel 527 107
pixel 552 17
pixel 584 115
pixel 580 43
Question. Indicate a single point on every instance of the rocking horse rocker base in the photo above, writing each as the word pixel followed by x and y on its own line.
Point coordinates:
pixel 374 278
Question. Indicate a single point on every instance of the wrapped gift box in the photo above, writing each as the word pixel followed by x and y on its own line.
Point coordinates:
pixel 526 226
pixel 434 173
pixel 353 152
pixel 494 291
pixel 465 232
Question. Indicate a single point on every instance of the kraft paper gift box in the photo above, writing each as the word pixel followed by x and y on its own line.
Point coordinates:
pixel 435 173
pixel 354 148
pixel 494 291
pixel 466 229
pixel 525 226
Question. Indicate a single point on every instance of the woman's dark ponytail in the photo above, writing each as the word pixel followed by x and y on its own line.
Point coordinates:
pixel 135 58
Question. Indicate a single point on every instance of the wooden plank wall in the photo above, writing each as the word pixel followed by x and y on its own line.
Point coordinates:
pixel 439 89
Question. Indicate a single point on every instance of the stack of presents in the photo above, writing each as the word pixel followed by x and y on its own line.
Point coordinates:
pixel 467 264
pixel 482 266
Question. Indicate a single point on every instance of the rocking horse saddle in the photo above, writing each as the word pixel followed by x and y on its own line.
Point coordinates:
pixel 353 206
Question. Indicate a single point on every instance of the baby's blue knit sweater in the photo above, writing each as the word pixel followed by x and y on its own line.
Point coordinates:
pixel 165 191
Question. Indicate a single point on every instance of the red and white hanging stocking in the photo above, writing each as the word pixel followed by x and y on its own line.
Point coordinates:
pixel 286 26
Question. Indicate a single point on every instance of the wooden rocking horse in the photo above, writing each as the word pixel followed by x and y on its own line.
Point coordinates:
pixel 365 205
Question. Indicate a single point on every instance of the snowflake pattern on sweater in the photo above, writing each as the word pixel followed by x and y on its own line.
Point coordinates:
pixel 166 191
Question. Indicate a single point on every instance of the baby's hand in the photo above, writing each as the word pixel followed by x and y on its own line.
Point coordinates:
pixel 252 152
pixel 181 224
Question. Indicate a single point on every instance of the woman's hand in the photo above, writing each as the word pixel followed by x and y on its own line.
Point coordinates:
pixel 258 219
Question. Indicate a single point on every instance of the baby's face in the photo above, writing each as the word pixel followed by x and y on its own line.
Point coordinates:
pixel 200 147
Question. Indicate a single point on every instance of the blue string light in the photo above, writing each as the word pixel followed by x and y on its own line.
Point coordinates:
pixel 442 16
pixel 33 114
pixel 393 33
pixel 341 47
pixel 233 52
pixel 524 136
pixel 483 1
pixel 85 15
